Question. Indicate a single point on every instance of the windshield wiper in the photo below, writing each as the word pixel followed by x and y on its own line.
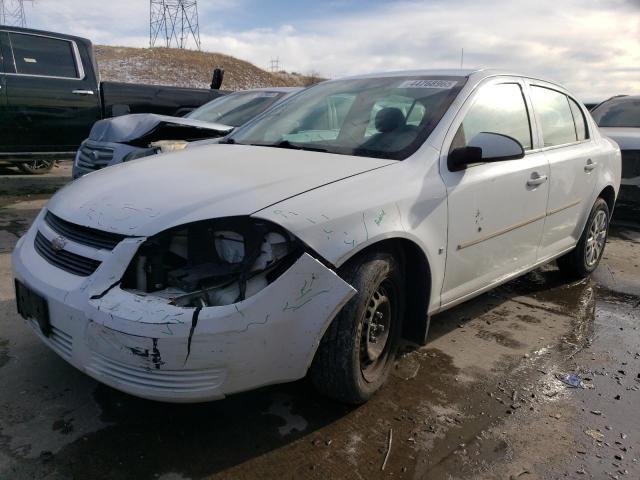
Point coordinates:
pixel 228 141
pixel 292 146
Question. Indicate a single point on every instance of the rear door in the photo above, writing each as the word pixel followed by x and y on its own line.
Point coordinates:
pixel 51 103
pixel 573 161
pixel 496 210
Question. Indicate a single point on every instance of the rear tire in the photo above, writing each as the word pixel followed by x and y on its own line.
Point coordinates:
pixel 358 349
pixel 36 167
pixel 584 259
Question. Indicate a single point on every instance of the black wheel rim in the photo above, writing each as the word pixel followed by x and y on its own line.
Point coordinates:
pixel 38 164
pixel 376 333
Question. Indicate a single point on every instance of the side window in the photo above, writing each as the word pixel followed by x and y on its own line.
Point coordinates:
pixel 35 55
pixel 579 120
pixel 556 118
pixel 497 109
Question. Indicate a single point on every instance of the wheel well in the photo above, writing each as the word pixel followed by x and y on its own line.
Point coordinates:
pixel 417 279
pixel 609 196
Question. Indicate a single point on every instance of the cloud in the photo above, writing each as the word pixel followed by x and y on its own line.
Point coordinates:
pixel 591 46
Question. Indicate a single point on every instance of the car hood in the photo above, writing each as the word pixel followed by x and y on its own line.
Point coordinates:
pixel 627 138
pixel 146 196
pixel 128 128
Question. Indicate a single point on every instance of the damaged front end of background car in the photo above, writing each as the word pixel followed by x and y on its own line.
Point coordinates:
pixel 212 262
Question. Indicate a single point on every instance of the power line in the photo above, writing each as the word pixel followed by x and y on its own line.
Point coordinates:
pixel 173 23
pixel 12 13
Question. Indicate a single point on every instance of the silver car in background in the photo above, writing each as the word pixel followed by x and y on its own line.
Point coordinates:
pixel 127 137
pixel 619 119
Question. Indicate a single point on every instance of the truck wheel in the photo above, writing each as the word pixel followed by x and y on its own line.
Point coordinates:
pixel 358 349
pixel 584 259
pixel 36 167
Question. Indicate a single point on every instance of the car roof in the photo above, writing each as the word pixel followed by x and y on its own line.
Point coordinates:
pixel 474 76
pixel 271 89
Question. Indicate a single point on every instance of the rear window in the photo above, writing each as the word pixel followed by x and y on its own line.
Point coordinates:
pixel 579 120
pixel 556 118
pixel 619 112
pixel 36 55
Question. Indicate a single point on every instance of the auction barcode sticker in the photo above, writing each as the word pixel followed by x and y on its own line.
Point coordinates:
pixel 428 84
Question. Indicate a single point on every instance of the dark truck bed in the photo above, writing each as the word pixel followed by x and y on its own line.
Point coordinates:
pixel 50 96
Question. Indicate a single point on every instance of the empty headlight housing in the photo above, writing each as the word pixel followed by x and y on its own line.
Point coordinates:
pixel 212 262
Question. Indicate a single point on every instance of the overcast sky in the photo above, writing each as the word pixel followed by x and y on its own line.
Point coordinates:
pixel 591 46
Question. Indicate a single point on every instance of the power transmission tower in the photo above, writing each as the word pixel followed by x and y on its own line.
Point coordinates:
pixel 12 13
pixel 274 65
pixel 172 23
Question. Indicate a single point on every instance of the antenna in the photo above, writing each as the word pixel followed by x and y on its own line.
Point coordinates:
pixel 12 13
pixel 172 23
pixel 462 58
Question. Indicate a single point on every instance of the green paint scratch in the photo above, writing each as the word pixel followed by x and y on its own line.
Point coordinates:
pixel 366 230
pixel 168 330
pixel 380 217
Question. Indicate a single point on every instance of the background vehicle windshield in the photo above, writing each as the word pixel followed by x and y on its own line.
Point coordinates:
pixel 372 117
pixel 622 112
pixel 237 108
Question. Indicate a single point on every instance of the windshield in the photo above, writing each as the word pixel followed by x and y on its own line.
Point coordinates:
pixel 371 117
pixel 620 112
pixel 236 109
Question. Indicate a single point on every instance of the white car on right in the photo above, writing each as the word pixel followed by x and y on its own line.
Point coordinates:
pixel 619 119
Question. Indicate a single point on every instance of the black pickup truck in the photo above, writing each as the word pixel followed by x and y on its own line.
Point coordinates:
pixel 51 94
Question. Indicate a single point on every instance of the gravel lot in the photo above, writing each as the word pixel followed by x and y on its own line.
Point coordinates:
pixel 481 400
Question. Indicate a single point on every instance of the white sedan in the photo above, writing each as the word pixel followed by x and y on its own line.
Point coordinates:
pixel 318 235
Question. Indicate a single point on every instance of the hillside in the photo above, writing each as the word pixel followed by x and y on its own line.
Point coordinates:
pixel 187 68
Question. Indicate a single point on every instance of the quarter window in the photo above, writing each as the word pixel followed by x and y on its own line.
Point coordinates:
pixel 579 120
pixel 35 55
pixel 556 117
pixel 497 109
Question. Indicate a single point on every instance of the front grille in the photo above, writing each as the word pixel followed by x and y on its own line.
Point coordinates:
pixel 67 261
pixel 630 163
pixel 84 235
pixel 94 157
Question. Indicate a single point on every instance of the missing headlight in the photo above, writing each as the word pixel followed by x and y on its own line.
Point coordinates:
pixel 213 262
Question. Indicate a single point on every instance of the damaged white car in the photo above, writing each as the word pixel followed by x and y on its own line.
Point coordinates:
pixel 318 235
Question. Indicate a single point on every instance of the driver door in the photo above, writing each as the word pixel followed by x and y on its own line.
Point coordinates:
pixel 496 211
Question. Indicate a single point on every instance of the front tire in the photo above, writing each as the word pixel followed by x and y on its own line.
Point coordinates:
pixel 358 349
pixel 584 259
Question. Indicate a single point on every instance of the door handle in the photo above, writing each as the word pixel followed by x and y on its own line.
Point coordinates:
pixel 536 179
pixel 82 92
pixel 590 166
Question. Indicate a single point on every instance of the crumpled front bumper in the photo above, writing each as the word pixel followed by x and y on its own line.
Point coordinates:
pixel 146 347
pixel 93 156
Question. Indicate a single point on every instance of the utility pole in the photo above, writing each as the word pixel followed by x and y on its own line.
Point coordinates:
pixel 172 23
pixel 12 13
pixel 274 65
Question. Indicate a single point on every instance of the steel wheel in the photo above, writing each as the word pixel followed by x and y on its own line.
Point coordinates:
pixel 596 238
pixel 375 331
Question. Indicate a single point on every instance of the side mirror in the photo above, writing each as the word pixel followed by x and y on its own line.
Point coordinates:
pixel 485 147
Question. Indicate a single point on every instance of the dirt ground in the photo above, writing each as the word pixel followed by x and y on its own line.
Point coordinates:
pixel 482 400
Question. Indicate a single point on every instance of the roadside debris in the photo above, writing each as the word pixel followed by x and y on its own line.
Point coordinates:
pixel 596 435
pixel 386 457
pixel 571 380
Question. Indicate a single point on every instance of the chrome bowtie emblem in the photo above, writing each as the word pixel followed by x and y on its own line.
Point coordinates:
pixel 58 243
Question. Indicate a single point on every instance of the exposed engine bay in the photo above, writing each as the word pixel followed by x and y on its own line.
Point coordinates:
pixel 213 262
